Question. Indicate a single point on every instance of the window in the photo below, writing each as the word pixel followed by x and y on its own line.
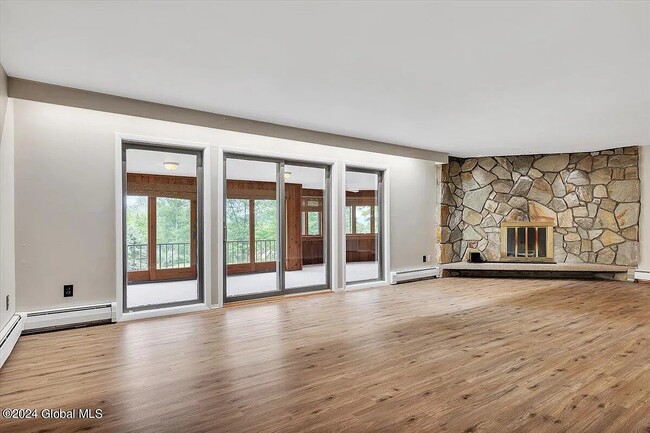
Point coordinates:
pixel 312 216
pixel 361 219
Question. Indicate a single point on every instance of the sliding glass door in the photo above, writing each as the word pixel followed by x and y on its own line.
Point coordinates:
pixel 275 234
pixel 363 225
pixel 252 231
pixel 307 227
pixel 161 226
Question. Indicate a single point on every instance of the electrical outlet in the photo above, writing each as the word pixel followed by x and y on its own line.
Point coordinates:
pixel 424 259
pixel 7 303
pixel 67 290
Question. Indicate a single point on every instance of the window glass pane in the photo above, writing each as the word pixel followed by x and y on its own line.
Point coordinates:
pixel 266 230
pixel 238 233
pixel 510 248
pixel 137 233
pixel 363 219
pixel 521 241
pixel 377 219
pixel 541 252
pixel 313 224
pixel 532 238
pixel 172 233
pixel 348 220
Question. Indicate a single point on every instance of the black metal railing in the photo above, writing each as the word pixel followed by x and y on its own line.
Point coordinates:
pixel 178 254
pixel 173 255
pixel 238 252
pixel 137 257
pixel 265 250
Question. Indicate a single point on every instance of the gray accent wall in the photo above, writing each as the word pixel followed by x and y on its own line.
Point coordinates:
pixel 65 197
pixel 7 249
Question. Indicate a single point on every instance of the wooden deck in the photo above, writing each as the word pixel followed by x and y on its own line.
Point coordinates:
pixel 450 355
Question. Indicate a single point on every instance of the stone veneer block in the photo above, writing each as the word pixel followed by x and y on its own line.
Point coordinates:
pixel 554 163
pixel 624 190
pixel 476 199
pixel 627 214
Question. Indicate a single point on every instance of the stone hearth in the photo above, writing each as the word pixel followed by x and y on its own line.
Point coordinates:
pixel 593 200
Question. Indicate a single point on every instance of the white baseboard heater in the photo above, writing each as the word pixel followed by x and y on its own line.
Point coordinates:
pixel 9 336
pixel 73 317
pixel 412 275
pixel 642 275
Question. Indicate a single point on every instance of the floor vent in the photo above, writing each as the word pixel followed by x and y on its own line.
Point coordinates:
pixel 73 317
pixel 9 336
pixel 412 275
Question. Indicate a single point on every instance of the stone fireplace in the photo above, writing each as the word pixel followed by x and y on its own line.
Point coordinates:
pixel 585 206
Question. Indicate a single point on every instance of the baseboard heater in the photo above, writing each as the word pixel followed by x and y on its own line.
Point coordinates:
pixel 412 275
pixel 73 317
pixel 9 336
pixel 642 275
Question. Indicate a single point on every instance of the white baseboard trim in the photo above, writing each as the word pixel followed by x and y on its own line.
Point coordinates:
pixel 160 312
pixel 9 336
pixel 414 275
pixel 367 285
pixel 642 275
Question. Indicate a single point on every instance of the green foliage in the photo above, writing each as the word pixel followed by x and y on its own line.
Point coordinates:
pixel 136 220
pixel 266 220
pixel 172 220
pixel 237 219
pixel 363 219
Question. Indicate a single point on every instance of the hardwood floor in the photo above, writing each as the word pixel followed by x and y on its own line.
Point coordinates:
pixel 450 355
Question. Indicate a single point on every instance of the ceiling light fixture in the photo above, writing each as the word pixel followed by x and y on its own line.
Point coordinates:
pixel 170 165
pixel 287 174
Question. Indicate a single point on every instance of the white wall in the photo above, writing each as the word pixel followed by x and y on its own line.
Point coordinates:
pixel 7 257
pixel 644 223
pixel 65 197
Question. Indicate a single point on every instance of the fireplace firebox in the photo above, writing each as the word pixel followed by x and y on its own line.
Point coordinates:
pixel 527 241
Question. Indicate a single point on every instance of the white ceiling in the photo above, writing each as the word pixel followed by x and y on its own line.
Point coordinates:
pixel 468 78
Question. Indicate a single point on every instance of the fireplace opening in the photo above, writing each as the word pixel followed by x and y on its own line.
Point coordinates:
pixel 527 241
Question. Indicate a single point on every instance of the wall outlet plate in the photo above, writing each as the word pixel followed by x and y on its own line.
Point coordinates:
pixel 67 290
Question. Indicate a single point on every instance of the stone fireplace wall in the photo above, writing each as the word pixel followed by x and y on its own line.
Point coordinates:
pixel 592 198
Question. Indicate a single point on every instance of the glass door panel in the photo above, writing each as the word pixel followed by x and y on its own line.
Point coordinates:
pixel 252 228
pixel 162 227
pixel 363 228
pixel 306 198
